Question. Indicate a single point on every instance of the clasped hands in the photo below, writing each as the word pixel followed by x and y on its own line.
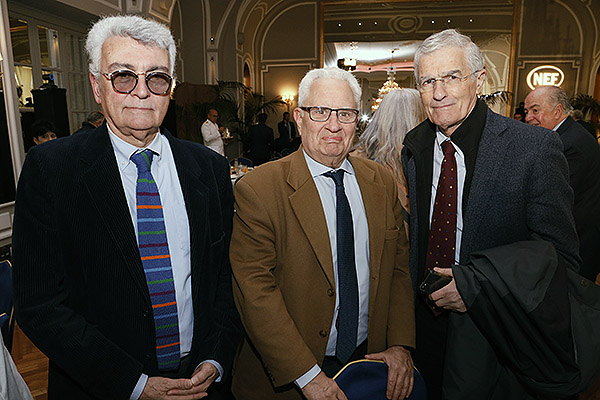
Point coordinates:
pixel 448 297
pixel 400 377
pixel 196 387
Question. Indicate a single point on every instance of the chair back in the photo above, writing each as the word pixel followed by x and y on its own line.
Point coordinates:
pixel 367 379
pixel 6 303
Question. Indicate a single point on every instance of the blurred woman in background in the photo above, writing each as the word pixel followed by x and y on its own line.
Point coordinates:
pixel 399 112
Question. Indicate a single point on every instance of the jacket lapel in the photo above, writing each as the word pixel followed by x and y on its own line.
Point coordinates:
pixel 311 217
pixel 486 175
pixel 374 201
pixel 102 179
pixel 195 196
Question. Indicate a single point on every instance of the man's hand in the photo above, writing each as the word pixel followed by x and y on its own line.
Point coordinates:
pixel 322 387
pixel 448 296
pixel 400 371
pixel 158 388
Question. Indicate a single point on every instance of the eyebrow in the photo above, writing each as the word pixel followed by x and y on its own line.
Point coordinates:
pixel 446 73
pixel 131 67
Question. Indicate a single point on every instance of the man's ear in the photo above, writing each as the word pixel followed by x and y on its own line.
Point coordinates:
pixel 480 82
pixel 298 118
pixel 95 82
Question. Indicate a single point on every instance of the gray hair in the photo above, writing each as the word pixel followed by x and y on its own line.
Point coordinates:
pixel 555 96
pixel 327 73
pixel 450 38
pixel 145 31
pixel 399 112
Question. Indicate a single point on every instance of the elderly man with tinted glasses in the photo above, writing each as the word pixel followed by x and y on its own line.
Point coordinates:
pixel 121 238
pixel 320 258
pixel 477 180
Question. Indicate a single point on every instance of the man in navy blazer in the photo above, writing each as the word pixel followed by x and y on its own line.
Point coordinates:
pixel 81 293
pixel 549 106
pixel 512 185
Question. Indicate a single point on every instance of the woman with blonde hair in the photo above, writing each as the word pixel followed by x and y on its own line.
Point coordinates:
pixel 399 112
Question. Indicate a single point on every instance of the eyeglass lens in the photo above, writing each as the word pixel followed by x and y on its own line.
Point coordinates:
pixel 322 114
pixel 158 83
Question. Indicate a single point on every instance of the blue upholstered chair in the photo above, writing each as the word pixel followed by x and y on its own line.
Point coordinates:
pixel 367 379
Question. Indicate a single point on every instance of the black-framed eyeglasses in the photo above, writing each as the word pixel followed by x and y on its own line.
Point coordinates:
pixel 125 81
pixel 450 80
pixel 322 114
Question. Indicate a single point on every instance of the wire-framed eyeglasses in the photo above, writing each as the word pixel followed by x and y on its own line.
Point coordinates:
pixel 125 81
pixel 450 80
pixel 322 114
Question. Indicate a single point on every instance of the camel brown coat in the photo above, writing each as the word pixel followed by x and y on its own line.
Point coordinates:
pixel 284 279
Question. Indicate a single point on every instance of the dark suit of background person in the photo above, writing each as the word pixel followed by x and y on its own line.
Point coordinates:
pixel 516 188
pixel 80 290
pixel 284 273
pixel 549 106
pixel 287 133
pixel 260 141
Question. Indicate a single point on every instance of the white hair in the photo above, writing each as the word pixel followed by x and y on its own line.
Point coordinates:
pixel 450 38
pixel 327 73
pixel 145 31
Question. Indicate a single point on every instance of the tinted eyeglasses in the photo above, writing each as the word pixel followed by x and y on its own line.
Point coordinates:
pixel 125 81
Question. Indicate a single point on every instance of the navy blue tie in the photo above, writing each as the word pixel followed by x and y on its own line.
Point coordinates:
pixel 347 321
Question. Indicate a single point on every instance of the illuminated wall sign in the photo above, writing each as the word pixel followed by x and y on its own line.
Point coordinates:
pixel 545 75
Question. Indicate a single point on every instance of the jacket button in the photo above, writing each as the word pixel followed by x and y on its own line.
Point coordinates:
pixel 330 292
pixel 323 333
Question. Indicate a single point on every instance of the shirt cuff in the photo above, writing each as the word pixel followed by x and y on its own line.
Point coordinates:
pixel 308 376
pixel 217 366
pixel 139 387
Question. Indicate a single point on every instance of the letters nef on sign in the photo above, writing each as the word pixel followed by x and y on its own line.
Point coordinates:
pixel 545 75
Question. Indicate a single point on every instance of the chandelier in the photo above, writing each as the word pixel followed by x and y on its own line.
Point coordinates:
pixel 389 85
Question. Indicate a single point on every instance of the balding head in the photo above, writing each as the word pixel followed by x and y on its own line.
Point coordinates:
pixel 547 106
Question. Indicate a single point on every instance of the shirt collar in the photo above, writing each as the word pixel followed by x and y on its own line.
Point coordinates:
pixel 124 150
pixel 559 124
pixel 316 168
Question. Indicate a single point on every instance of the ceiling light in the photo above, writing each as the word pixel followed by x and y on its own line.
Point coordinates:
pixel 360 24
pixel 470 19
pixel 432 21
pixel 449 21
pixel 374 22
pixel 339 24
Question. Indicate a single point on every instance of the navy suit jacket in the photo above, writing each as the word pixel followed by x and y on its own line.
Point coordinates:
pixel 583 156
pixel 80 289
pixel 517 190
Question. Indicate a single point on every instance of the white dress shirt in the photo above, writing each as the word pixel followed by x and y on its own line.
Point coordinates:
pixel 438 157
pixel 176 224
pixel 212 137
pixel 326 189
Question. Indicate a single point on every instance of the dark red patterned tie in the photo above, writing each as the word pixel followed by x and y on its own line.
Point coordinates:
pixel 442 236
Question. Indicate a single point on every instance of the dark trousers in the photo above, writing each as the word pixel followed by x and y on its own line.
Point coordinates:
pixel 430 353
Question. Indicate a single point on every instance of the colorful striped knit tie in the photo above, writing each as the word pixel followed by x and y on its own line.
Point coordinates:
pixel 154 251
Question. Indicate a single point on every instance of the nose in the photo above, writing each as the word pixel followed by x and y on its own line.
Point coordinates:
pixel 141 89
pixel 333 124
pixel 528 117
pixel 439 90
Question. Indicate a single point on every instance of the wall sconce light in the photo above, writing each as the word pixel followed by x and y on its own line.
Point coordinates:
pixel 287 99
